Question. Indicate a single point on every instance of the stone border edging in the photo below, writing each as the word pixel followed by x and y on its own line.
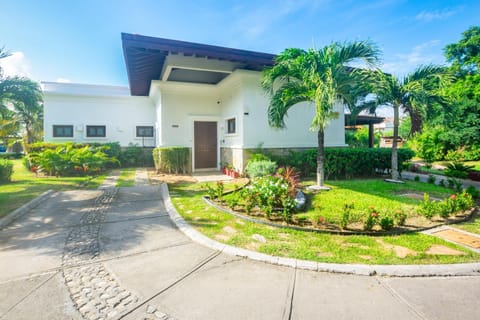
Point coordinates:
pixel 462 269
pixel 17 213
pixel 335 232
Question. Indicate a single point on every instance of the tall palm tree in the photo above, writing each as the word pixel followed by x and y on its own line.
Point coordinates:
pixel 319 77
pixel 413 94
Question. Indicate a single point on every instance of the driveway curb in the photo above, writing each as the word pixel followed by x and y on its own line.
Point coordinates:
pixel 462 269
pixel 5 221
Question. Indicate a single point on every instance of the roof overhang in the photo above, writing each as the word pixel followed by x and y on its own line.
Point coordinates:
pixel 146 58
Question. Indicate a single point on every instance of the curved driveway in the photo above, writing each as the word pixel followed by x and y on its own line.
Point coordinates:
pixel 115 254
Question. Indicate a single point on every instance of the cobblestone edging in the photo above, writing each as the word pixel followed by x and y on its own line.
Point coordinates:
pixel 95 292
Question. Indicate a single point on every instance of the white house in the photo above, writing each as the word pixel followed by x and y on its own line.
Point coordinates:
pixel 203 97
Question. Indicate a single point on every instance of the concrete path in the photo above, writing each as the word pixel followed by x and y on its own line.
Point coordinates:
pixel 116 254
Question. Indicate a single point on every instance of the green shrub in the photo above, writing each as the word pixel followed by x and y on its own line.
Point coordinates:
pixel 431 179
pixel 135 156
pixel 6 170
pixel 344 163
pixel 11 155
pixel 68 160
pixel 371 220
pixel 427 208
pixel 457 170
pixel 473 192
pixel 345 219
pixel 386 223
pixel 269 193
pixel 171 159
pixel 400 217
pixel 260 168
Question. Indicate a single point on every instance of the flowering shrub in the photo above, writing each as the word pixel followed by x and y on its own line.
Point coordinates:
pixel 371 220
pixel 400 217
pixel 445 208
pixel 270 193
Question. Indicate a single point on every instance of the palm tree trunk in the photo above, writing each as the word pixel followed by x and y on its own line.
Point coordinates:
pixel 320 157
pixel 417 123
pixel 395 174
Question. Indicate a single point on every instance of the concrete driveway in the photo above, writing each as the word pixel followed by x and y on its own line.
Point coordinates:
pixel 116 254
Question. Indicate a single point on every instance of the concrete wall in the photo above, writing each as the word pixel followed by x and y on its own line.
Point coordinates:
pixel 82 105
pixel 297 133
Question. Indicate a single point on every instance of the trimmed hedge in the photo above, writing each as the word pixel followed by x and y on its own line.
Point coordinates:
pixel 6 171
pixel 171 159
pixel 11 155
pixel 345 163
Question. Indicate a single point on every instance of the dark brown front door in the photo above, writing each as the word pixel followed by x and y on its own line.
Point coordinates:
pixel 205 136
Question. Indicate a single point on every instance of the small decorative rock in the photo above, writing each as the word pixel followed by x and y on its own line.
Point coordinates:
pixel 300 200
pixel 229 230
pixel 259 238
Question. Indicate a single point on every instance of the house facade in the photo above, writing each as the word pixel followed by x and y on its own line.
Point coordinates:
pixel 203 97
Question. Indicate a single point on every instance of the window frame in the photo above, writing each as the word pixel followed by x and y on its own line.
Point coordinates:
pixel 137 128
pixel 227 126
pixel 63 126
pixel 87 133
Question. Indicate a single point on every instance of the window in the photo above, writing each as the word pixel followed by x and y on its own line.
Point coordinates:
pixel 144 131
pixel 96 132
pixel 62 131
pixel 231 126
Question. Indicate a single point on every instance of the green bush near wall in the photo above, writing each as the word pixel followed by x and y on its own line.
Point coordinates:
pixel 131 156
pixel 171 159
pixel 6 170
pixel 11 155
pixel 344 163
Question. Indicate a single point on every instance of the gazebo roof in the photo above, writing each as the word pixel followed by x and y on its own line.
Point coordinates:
pixel 362 120
pixel 145 58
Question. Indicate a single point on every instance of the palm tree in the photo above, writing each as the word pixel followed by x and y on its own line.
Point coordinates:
pixel 319 77
pixel 413 94
pixel 25 98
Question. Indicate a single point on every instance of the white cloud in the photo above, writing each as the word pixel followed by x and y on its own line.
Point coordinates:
pixel 403 63
pixel 16 65
pixel 427 16
pixel 63 80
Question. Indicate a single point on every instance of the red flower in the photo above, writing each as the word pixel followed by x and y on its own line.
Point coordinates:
pixel 453 197
pixel 374 214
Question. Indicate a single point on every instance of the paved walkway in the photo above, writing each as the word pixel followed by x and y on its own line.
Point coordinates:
pixel 116 254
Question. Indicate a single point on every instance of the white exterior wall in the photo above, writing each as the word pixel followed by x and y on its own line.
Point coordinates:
pixel 297 133
pixel 182 104
pixel 82 105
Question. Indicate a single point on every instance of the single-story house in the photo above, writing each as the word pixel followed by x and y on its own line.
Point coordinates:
pixel 207 98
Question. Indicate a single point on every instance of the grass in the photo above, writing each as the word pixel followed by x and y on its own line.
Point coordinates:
pixel 127 178
pixel 364 196
pixel 471 226
pixel 26 186
pixel 187 198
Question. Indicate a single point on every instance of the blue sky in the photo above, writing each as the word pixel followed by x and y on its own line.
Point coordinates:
pixel 79 40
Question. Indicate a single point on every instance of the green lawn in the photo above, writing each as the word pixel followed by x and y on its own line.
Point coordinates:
pixel 127 178
pixel 402 249
pixel 25 186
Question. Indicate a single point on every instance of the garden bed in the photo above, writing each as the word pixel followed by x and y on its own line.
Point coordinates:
pixel 369 207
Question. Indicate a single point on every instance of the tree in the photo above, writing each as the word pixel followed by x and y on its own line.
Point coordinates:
pixel 465 54
pixel 20 106
pixel 319 77
pixel 411 93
